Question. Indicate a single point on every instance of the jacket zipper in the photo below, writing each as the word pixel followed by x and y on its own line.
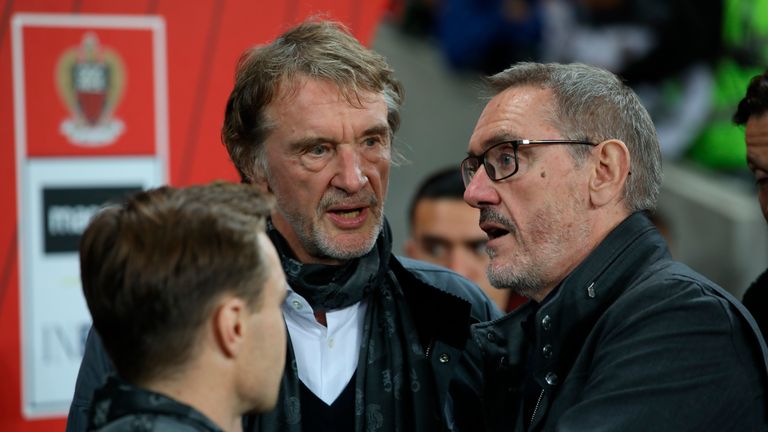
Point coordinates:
pixel 429 348
pixel 536 408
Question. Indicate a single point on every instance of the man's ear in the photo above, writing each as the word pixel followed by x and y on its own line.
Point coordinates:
pixel 610 172
pixel 229 325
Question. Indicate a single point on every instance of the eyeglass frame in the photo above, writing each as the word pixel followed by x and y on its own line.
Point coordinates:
pixel 515 146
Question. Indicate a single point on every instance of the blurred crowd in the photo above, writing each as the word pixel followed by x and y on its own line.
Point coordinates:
pixel 688 60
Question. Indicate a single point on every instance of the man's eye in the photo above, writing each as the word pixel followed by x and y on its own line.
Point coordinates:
pixel 506 159
pixel 372 141
pixel 435 249
pixel 318 150
pixel 478 247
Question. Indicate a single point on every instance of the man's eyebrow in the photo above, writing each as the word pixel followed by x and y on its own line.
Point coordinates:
pixel 434 237
pixel 303 143
pixel 379 129
pixel 473 243
pixel 495 139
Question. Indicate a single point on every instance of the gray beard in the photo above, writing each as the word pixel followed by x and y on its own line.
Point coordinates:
pixel 525 284
pixel 318 244
pixel 321 246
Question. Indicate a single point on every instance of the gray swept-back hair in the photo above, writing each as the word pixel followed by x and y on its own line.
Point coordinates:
pixel 592 104
pixel 316 49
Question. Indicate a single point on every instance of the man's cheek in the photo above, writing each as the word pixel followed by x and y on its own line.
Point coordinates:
pixel 763 196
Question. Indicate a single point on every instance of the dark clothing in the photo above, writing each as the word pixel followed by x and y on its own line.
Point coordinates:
pixel 336 417
pixel 393 388
pixel 756 301
pixel 442 306
pixel 121 407
pixel 631 341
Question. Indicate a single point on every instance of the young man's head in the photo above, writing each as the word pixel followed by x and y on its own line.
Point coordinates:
pixel 179 280
pixel 311 119
pixel 560 155
pixel 444 230
pixel 753 112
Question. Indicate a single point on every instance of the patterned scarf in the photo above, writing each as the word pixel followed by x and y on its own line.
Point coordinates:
pixel 393 388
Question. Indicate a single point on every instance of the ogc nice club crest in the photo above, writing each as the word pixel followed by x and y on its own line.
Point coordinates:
pixel 90 79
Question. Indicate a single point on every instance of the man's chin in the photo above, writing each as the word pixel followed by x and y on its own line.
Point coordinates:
pixel 344 245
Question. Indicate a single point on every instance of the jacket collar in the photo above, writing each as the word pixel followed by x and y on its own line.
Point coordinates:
pixel 563 322
pixel 604 275
pixel 118 399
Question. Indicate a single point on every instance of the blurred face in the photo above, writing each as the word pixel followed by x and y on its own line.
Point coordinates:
pixel 328 164
pixel 536 220
pixel 264 358
pixel 757 156
pixel 445 232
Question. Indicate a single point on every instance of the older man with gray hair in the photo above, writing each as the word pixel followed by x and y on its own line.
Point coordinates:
pixel 564 164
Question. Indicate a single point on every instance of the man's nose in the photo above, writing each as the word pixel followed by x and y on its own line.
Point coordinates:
pixel 480 191
pixel 349 175
pixel 458 263
pixel 464 261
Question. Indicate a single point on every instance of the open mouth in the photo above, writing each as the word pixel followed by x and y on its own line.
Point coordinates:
pixel 494 232
pixel 347 213
pixel 494 224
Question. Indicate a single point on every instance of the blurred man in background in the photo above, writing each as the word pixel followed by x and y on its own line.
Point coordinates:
pixel 444 231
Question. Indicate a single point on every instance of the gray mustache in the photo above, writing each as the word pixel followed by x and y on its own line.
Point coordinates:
pixel 489 215
pixel 336 197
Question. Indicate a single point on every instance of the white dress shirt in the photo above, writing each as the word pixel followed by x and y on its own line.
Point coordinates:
pixel 326 357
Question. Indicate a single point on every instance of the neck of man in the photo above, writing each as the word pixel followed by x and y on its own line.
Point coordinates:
pixel 599 227
pixel 204 386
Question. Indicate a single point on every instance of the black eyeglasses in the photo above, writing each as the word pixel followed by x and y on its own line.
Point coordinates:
pixel 500 160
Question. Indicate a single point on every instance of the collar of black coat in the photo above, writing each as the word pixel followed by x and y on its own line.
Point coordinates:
pixel 580 299
pixel 595 284
pixel 118 400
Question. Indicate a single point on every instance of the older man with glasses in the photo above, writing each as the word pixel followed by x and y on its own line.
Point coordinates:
pixel 618 336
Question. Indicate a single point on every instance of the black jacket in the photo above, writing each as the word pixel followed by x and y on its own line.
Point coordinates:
pixel 756 301
pixel 121 407
pixel 630 341
pixel 443 304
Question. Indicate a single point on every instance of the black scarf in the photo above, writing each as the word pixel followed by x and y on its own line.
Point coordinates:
pixel 394 389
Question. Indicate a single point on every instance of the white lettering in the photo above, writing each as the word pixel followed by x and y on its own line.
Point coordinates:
pixel 64 220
